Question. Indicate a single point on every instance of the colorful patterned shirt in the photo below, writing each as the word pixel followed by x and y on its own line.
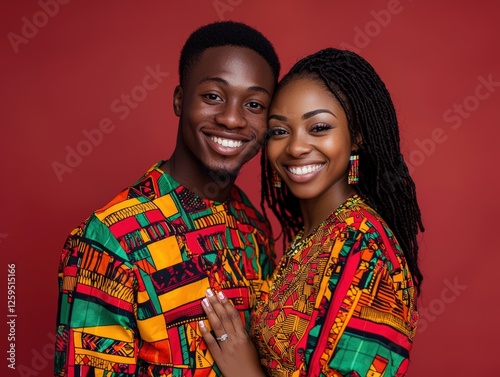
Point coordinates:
pixel 132 277
pixel 342 305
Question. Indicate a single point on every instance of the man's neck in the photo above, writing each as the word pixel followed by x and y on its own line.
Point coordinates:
pixel 190 174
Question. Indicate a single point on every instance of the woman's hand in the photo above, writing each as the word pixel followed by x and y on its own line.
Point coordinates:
pixel 233 350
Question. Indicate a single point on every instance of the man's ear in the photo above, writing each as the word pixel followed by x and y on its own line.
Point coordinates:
pixel 178 100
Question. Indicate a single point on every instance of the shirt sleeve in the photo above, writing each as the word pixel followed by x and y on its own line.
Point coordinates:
pixel 267 255
pixel 96 331
pixel 370 322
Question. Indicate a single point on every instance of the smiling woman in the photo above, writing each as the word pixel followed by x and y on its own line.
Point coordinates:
pixel 310 145
pixel 342 301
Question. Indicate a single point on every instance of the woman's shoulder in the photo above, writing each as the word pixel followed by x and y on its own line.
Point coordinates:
pixel 363 217
pixel 356 214
pixel 361 223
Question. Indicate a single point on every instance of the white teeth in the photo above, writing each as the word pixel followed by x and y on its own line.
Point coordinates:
pixel 304 169
pixel 227 142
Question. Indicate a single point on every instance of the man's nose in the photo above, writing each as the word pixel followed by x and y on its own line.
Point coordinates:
pixel 232 116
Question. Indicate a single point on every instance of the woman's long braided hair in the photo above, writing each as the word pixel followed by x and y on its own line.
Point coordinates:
pixel 384 179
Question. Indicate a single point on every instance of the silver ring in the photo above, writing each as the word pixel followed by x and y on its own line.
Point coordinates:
pixel 223 337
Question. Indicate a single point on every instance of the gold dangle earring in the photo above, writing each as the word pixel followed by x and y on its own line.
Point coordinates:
pixel 353 176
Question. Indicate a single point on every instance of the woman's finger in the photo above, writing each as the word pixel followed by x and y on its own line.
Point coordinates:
pixel 210 340
pixel 217 316
pixel 233 351
pixel 225 320
pixel 228 311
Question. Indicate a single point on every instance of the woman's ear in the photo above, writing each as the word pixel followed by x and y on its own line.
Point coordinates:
pixel 178 100
pixel 358 140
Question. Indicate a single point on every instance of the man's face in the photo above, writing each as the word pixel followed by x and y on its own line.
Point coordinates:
pixel 223 107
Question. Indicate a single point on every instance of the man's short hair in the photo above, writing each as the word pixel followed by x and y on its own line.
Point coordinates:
pixel 226 33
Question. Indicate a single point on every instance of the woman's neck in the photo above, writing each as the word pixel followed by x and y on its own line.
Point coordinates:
pixel 318 209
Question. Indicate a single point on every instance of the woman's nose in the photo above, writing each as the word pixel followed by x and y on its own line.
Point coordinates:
pixel 298 145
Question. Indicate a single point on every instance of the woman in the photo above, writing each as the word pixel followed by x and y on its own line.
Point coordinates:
pixel 342 300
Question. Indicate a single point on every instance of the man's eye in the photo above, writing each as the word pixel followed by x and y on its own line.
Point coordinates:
pixel 255 105
pixel 212 97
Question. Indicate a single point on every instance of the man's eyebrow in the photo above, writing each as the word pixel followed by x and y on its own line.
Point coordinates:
pixel 226 83
pixel 259 89
pixel 215 79
pixel 310 114
pixel 281 118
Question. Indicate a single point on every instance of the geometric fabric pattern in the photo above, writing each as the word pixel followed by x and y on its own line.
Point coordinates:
pixel 342 303
pixel 132 277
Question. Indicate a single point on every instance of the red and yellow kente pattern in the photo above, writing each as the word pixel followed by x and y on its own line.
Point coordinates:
pixel 343 305
pixel 132 277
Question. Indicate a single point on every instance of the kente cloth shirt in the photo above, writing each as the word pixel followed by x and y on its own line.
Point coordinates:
pixel 341 303
pixel 133 275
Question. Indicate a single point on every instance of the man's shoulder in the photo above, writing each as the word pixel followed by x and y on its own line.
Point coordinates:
pixel 120 214
pixel 134 199
pixel 147 188
pixel 241 201
pixel 248 211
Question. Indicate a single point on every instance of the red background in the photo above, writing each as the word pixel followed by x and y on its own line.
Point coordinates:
pixel 63 78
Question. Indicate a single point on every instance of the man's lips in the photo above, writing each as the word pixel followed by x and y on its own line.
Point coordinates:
pixel 230 143
pixel 226 144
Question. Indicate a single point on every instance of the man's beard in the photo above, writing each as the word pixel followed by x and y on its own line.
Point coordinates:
pixel 220 179
pixel 220 173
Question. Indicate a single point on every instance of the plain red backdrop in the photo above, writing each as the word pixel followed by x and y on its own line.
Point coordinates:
pixel 67 64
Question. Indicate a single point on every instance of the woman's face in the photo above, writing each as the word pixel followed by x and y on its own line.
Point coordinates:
pixel 310 142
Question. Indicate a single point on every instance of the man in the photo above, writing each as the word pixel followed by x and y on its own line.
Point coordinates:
pixel 133 274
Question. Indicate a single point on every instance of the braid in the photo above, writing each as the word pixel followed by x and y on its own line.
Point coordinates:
pixel 384 179
pixel 282 202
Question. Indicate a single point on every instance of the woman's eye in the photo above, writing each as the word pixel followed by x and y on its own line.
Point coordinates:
pixel 321 127
pixel 277 131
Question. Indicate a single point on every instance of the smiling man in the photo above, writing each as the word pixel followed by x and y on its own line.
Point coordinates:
pixel 132 275
pixel 222 103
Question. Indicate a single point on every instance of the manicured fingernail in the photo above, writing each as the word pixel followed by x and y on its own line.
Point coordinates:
pixel 206 302
pixel 209 292
pixel 221 295
pixel 201 324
